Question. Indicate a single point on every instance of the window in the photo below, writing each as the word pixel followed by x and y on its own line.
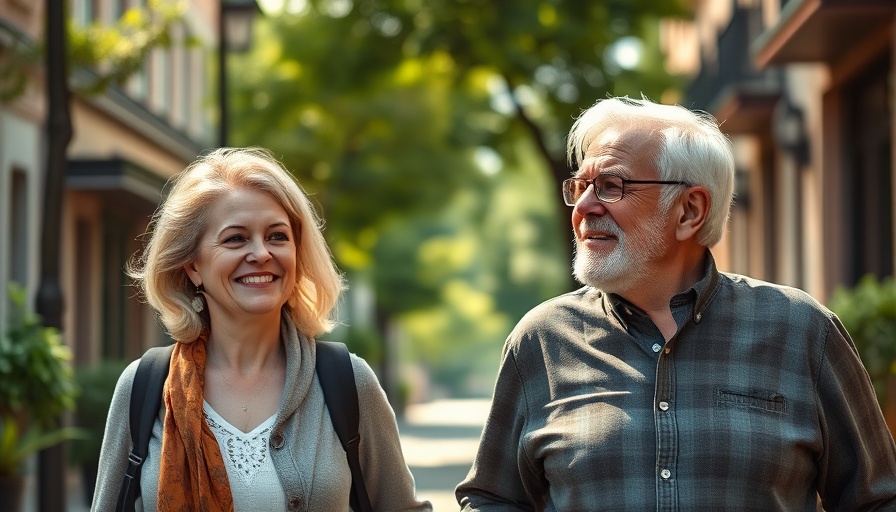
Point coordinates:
pixel 868 179
pixel 18 233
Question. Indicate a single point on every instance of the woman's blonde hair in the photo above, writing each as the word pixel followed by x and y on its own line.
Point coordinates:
pixel 182 218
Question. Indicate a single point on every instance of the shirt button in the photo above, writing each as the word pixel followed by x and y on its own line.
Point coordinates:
pixel 277 441
pixel 657 347
pixel 665 474
pixel 664 406
pixel 667 350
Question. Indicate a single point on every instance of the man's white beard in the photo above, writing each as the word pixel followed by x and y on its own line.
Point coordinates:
pixel 627 264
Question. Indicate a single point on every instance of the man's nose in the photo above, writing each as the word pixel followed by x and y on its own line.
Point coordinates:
pixel 589 204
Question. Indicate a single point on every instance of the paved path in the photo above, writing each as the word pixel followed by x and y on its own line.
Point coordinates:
pixel 439 440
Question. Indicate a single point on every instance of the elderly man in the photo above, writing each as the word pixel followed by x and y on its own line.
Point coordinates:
pixel 663 384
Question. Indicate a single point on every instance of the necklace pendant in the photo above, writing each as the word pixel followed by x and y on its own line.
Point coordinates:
pixel 245 407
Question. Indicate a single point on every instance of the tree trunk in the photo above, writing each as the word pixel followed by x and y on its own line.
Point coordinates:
pixel 559 172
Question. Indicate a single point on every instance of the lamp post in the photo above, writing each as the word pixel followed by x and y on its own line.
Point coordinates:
pixel 234 35
pixel 789 130
pixel 51 461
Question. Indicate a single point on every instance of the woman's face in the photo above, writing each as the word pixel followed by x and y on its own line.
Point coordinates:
pixel 247 256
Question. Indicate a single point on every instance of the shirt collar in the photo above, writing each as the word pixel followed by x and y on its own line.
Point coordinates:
pixel 703 291
pixel 700 294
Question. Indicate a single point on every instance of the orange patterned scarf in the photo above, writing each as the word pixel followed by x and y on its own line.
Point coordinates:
pixel 192 475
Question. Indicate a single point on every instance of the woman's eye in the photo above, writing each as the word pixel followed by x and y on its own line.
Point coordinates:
pixel 234 239
pixel 279 236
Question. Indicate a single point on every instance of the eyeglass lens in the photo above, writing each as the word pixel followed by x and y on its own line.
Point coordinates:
pixel 609 188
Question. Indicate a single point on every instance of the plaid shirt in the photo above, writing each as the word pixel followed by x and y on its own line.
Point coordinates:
pixel 758 402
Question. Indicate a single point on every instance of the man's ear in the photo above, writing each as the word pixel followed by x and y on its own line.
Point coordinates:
pixel 692 209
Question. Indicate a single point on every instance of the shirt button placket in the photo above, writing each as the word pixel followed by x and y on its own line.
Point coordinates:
pixel 667 442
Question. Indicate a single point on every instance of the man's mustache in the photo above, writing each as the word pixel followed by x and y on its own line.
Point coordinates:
pixel 602 224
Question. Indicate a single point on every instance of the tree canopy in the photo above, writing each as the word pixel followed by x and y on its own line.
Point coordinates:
pixel 432 135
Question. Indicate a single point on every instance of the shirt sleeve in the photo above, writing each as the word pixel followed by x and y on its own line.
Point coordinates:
pixel 387 478
pixel 502 478
pixel 857 468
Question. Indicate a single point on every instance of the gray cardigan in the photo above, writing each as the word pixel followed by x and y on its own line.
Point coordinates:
pixel 307 455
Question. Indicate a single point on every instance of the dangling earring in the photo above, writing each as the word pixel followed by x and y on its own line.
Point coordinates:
pixel 197 303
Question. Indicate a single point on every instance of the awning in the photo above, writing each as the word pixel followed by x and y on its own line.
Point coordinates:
pixel 121 183
pixel 820 30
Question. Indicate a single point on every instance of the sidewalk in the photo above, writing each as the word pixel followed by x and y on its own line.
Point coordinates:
pixel 439 440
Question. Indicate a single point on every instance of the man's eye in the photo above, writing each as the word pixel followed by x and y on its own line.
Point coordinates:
pixel 612 185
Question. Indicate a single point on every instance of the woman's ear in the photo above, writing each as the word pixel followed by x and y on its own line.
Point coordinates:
pixel 692 210
pixel 193 273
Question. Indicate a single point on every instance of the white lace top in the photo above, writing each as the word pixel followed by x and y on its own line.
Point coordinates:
pixel 253 480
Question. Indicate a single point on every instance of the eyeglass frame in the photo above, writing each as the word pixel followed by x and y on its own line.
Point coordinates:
pixel 597 190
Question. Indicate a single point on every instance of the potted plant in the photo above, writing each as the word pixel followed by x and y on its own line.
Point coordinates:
pixel 96 384
pixel 36 386
pixel 868 311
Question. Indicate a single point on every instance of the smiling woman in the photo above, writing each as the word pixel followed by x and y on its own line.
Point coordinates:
pixel 247 259
pixel 238 270
pixel 196 204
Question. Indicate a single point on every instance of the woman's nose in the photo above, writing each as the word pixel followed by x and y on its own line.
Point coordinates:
pixel 258 252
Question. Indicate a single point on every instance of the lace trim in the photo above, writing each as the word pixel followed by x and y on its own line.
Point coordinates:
pixel 246 453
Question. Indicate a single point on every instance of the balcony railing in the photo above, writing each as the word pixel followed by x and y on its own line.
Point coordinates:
pixel 731 70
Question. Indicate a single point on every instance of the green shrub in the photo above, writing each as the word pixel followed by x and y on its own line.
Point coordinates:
pixel 868 311
pixel 36 386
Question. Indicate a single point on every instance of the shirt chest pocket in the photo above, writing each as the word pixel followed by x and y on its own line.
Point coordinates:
pixel 750 412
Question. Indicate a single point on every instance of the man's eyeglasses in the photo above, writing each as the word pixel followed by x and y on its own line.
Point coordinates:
pixel 609 188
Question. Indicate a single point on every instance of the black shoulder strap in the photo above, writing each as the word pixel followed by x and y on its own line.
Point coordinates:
pixel 146 398
pixel 337 379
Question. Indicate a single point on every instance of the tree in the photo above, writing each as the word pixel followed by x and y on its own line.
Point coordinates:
pixel 384 108
pixel 544 61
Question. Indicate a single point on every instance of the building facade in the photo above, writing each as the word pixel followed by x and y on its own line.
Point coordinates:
pixel 127 142
pixel 806 90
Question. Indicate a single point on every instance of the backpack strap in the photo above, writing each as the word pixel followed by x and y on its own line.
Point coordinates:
pixel 146 398
pixel 337 379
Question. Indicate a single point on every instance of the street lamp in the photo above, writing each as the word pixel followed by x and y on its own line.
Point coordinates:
pixel 235 35
pixel 51 461
pixel 789 130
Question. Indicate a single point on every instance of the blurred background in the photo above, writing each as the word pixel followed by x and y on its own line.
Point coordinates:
pixel 430 135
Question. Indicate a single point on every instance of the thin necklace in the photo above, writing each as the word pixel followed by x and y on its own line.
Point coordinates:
pixel 245 406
